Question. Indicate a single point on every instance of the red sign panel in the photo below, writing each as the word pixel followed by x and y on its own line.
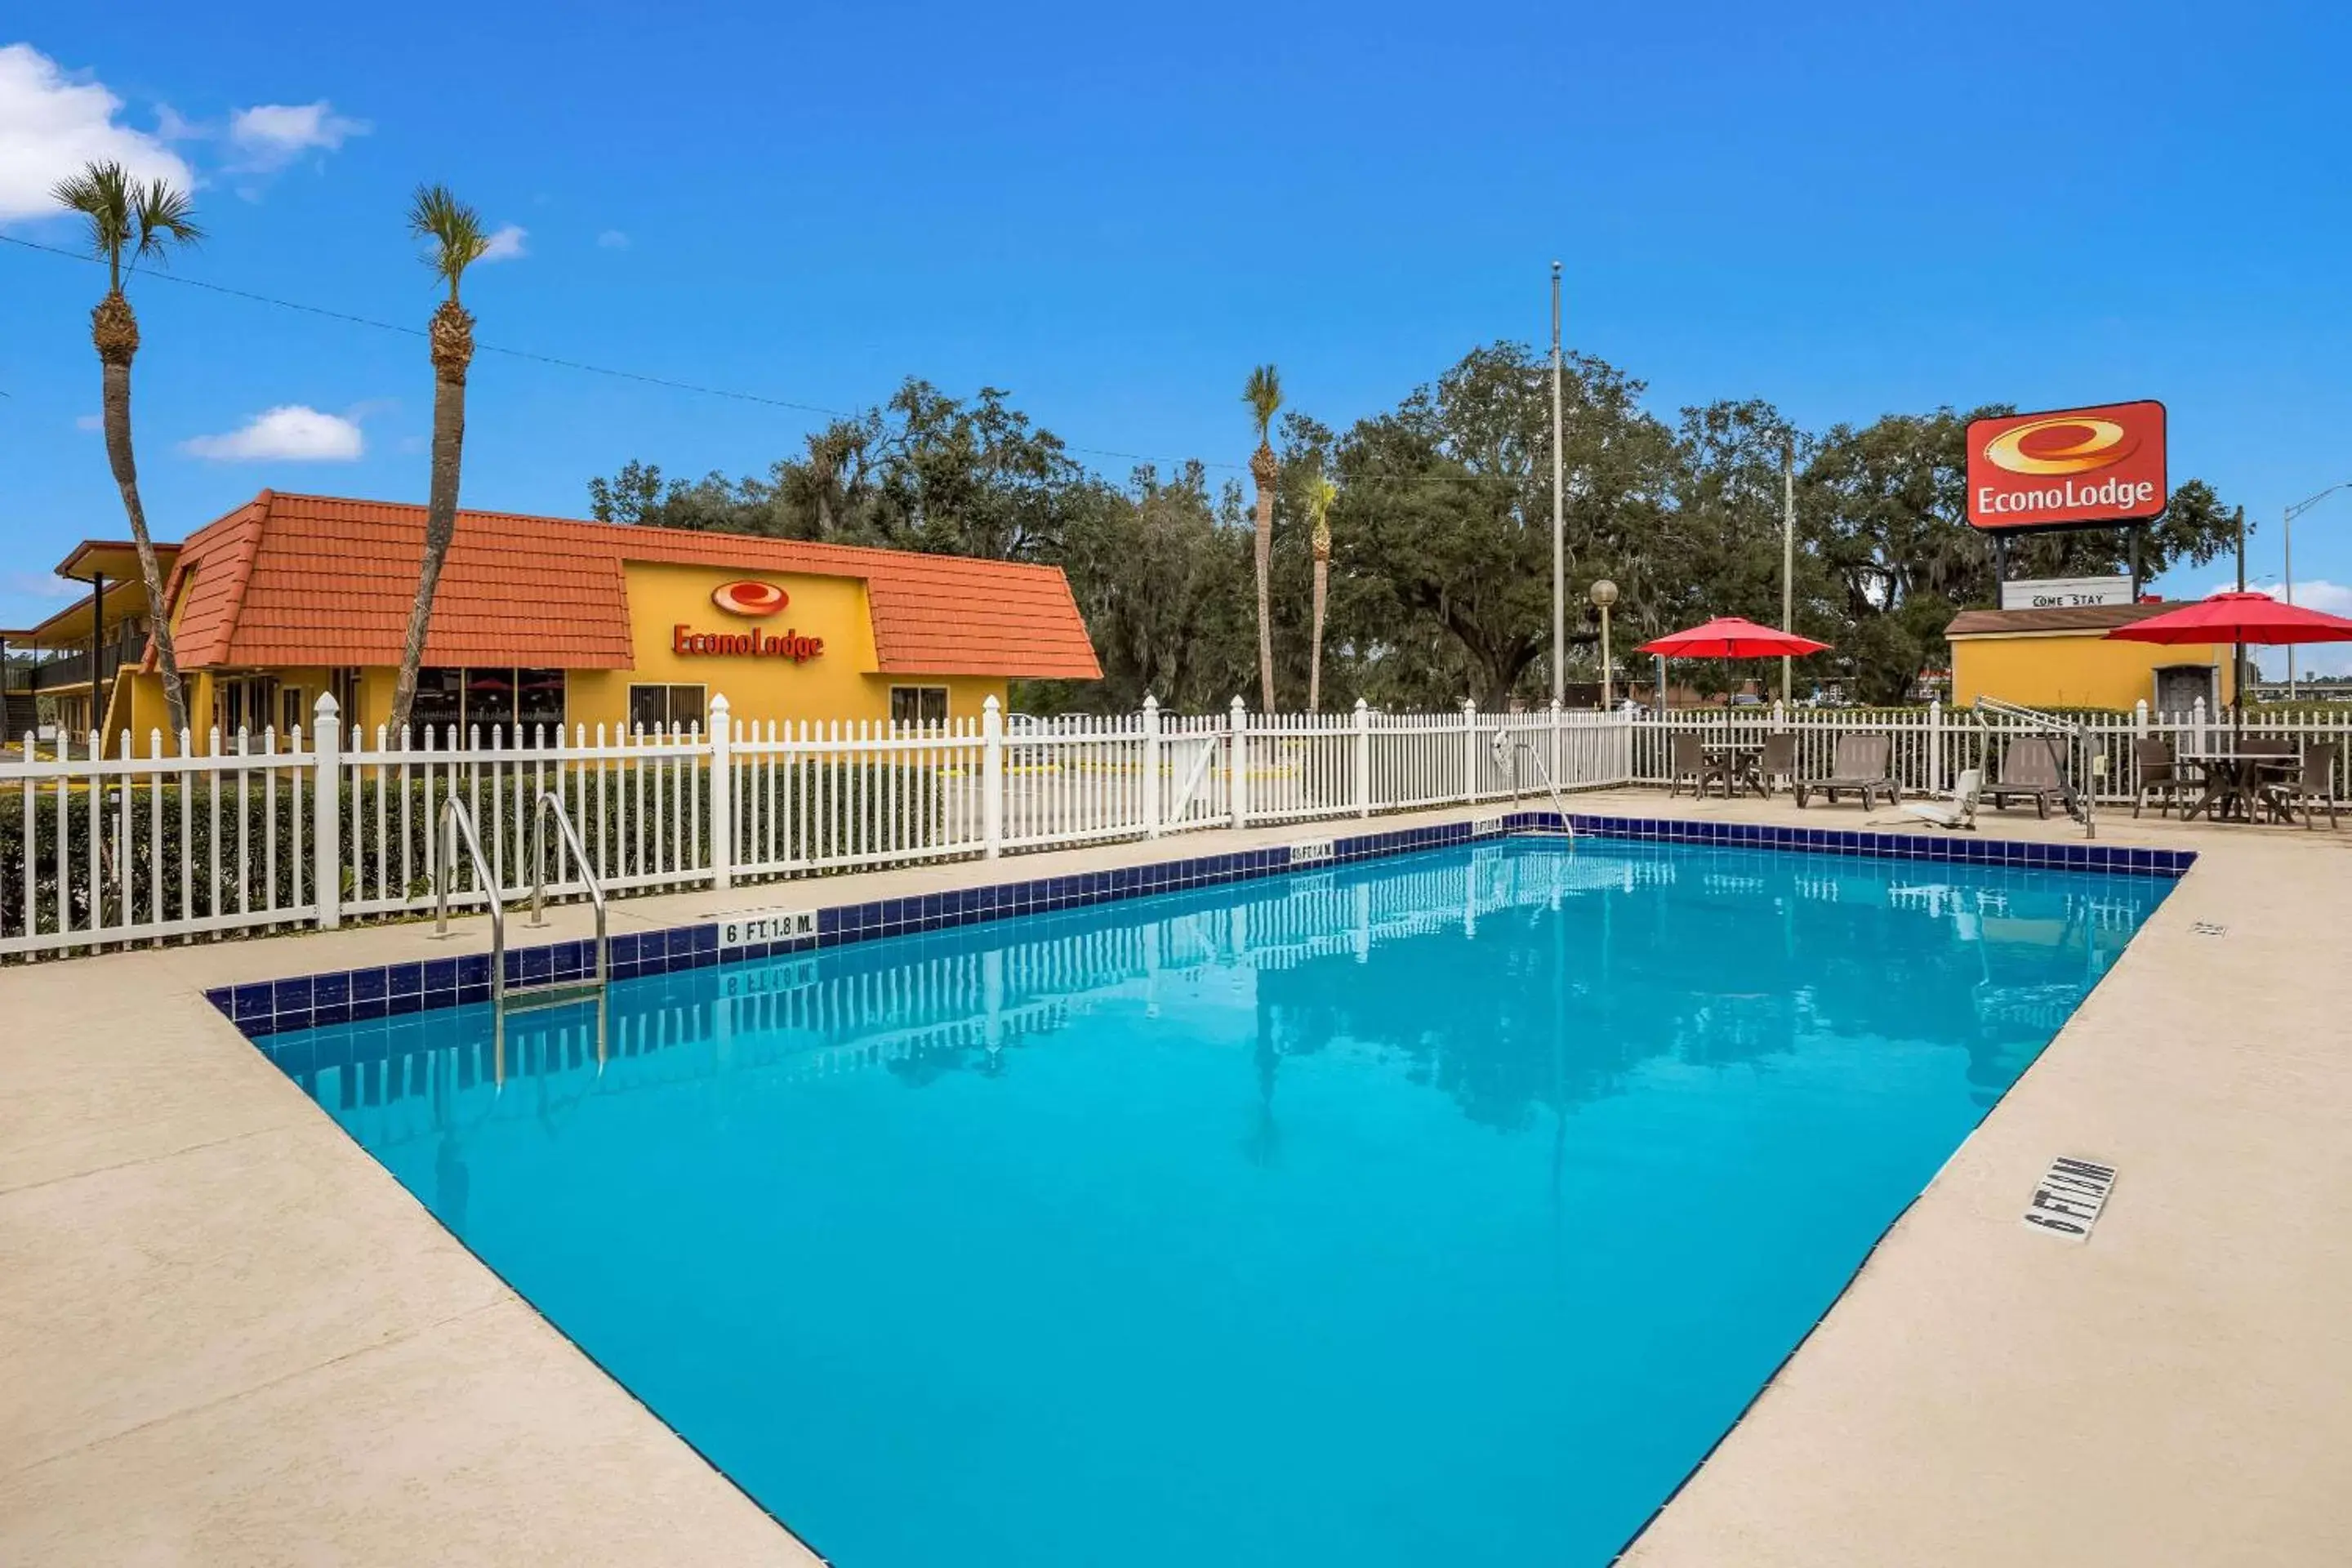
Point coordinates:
pixel 2076 467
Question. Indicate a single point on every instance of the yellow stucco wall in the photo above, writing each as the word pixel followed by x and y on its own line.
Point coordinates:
pixel 840 682
pixel 2072 669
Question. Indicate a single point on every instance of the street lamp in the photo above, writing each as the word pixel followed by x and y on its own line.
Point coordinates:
pixel 2297 509
pixel 1604 593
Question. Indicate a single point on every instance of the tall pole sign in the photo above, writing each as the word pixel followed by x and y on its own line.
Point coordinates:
pixel 2100 467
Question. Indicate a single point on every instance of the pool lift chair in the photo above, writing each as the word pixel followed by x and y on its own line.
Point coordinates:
pixel 1506 749
pixel 1957 813
pixel 2078 796
pixel 456 826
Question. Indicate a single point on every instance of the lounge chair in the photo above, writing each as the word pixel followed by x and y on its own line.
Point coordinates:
pixel 2314 787
pixel 1959 811
pixel 2160 773
pixel 1859 764
pixel 2031 768
pixel 1779 761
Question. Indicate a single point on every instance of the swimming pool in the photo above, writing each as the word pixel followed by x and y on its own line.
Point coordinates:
pixel 1443 1207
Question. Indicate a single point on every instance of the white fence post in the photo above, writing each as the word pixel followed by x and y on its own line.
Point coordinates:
pixel 1362 768
pixel 1151 806
pixel 1935 745
pixel 1237 757
pixel 1551 710
pixel 722 794
pixel 992 778
pixel 326 812
pixel 1469 749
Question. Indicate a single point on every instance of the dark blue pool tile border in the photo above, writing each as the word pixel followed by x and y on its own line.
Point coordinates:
pixel 1954 847
pixel 270 1007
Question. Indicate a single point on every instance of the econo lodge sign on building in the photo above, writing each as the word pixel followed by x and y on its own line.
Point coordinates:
pixel 2074 467
pixel 751 601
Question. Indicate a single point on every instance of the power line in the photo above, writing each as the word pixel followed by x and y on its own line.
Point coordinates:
pixel 533 358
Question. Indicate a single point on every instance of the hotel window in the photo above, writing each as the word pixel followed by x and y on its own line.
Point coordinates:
pixel 509 707
pixel 918 705
pixel 539 705
pixel 439 709
pixel 653 707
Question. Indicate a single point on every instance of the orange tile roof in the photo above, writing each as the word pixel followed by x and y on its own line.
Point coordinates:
pixel 295 580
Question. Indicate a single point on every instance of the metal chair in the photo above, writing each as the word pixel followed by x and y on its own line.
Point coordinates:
pixel 1779 761
pixel 2313 788
pixel 1686 759
pixel 2160 773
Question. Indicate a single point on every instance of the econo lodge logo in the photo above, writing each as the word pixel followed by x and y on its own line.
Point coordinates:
pixel 2076 466
pixel 753 600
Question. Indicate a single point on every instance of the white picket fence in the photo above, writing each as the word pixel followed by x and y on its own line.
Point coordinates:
pixel 1932 745
pixel 273 831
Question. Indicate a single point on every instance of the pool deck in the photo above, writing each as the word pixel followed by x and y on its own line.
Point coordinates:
pixel 230 1337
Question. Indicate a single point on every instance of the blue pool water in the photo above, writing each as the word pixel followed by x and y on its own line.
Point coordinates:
pixel 1438 1209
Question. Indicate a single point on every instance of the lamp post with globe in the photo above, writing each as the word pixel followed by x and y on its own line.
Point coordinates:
pixel 1603 594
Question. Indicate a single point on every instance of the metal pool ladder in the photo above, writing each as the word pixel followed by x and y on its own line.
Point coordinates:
pixel 456 826
pixel 565 991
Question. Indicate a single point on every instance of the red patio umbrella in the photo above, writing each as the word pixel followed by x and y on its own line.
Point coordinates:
pixel 1728 636
pixel 2239 618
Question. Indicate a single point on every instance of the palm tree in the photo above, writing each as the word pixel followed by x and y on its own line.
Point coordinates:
pixel 1321 493
pixel 454 241
pixel 143 221
pixel 1264 394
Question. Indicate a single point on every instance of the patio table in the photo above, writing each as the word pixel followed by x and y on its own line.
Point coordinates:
pixel 2233 781
pixel 1734 761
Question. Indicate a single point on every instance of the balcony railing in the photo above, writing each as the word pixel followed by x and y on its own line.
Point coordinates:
pixel 73 669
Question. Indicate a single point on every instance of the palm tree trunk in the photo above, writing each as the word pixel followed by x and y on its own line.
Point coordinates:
pixel 453 350
pixel 1314 658
pixel 115 332
pixel 1262 469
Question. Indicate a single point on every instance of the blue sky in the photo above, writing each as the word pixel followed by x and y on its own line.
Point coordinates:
pixel 1115 213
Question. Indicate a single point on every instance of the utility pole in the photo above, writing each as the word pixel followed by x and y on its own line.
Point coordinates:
pixel 1559 527
pixel 1788 557
pixel 2287 540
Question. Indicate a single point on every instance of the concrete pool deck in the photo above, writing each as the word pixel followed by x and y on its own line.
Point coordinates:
pixel 232 1337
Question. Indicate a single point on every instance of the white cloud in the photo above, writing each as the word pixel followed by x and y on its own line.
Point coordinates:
pixel 269 136
pixel 89 421
pixel 39 585
pixel 613 239
pixel 506 243
pixel 289 434
pixel 52 122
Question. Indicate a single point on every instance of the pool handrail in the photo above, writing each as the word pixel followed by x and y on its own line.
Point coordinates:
pixel 549 801
pixel 456 820
pixel 1514 742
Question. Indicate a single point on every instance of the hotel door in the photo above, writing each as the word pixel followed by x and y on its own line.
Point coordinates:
pixel 2180 687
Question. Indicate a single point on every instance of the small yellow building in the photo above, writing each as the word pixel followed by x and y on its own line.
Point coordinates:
pixel 2063 657
pixel 540 623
